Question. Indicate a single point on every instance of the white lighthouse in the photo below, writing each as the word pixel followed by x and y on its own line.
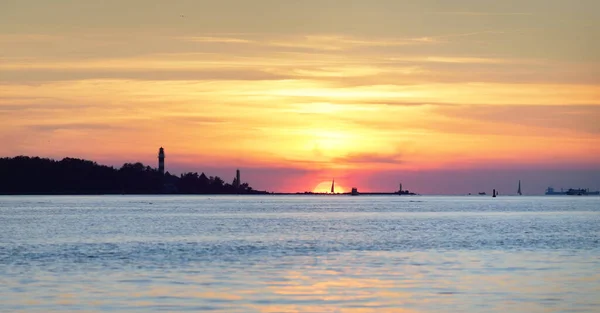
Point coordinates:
pixel 161 161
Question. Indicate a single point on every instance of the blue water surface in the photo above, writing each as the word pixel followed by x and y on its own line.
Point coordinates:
pixel 299 254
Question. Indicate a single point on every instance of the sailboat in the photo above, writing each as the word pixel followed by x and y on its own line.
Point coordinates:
pixel 519 190
pixel 333 186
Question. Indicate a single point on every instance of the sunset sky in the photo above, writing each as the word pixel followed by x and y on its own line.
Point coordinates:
pixel 447 97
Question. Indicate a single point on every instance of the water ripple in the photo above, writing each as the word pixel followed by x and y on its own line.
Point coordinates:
pixel 299 254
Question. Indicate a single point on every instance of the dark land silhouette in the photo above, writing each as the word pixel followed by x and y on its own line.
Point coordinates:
pixel 35 175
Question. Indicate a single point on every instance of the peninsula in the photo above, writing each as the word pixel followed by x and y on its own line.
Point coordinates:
pixel 24 175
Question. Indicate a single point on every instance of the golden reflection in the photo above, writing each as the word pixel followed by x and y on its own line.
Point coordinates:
pixel 216 295
pixel 187 292
pixel 420 282
pixel 326 309
pixel 369 294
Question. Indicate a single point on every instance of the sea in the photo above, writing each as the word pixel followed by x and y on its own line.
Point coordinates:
pixel 299 254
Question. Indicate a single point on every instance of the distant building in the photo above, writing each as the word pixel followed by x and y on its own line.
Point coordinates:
pixel 401 191
pixel 161 161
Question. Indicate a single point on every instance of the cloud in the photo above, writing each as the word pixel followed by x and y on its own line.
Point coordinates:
pixel 457 59
pixel 401 103
pixel 210 39
pixel 23 111
pixel 195 120
pixel 368 158
pixel 47 75
pixel 75 126
pixel 23 104
pixel 342 43
pixel 480 13
pixel 519 120
pixel 575 118
pixel 29 38
pixel 346 71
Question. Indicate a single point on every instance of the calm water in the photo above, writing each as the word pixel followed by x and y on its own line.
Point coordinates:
pixel 299 254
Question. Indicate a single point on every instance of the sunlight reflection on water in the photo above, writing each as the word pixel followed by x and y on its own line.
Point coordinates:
pixel 187 255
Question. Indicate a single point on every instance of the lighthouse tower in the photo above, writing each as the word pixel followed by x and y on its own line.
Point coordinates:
pixel 161 161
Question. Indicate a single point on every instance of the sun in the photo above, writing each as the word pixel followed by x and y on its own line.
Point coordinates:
pixel 325 187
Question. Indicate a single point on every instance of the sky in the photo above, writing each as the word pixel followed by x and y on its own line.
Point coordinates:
pixel 445 97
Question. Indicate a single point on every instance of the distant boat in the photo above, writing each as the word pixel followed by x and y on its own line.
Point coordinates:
pixel 519 190
pixel 482 193
pixel 333 186
pixel 572 192
pixel 582 192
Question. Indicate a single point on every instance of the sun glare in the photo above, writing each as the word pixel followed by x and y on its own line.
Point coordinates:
pixel 325 187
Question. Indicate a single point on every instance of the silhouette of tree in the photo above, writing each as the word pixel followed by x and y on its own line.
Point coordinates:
pixel 34 175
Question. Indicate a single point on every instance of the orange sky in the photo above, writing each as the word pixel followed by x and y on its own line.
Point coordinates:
pixel 321 88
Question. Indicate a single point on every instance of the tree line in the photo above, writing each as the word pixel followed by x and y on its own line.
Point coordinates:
pixel 35 175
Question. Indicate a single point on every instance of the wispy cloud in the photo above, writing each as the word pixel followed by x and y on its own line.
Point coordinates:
pixel 75 126
pixel 195 120
pixel 311 42
pixel 456 59
pixel 578 120
pixel 29 38
pixel 208 74
pixel 480 13
pixel 340 43
pixel 211 39
pixel 369 158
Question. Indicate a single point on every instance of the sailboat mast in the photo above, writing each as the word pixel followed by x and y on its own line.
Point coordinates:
pixel 333 186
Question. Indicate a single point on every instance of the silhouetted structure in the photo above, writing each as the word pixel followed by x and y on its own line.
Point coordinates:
pixel 494 193
pixel 354 192
pixel 333 186
pixel 519 190
pixel 161 161
pixel 572 192
pixel 34 175
pixel 551 191
pixel 404 192
pixel 237 181
pixel 581 192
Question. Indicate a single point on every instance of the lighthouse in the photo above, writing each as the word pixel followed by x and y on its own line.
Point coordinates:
pixel 161 161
